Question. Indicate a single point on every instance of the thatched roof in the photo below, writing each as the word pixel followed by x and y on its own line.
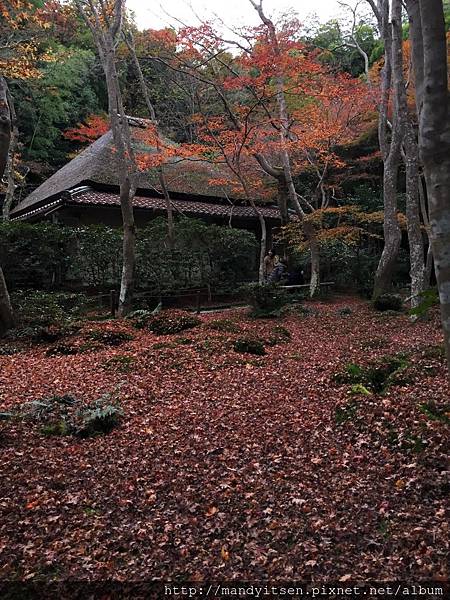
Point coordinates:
pixel 98 164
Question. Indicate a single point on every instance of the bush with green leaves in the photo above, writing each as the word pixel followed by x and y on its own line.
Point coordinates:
pixel 247 345
pixel 140 318
pixel 202 255
pixel 34 308
pixel 224 325
pixel 266 300
pixel 45 255
pixel 171 321
pixel 387 302
pixel 65 415
pixel 110 337
pixel 278 335
pixel 377 376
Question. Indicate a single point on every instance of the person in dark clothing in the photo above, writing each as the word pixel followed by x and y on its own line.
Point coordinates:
pixel 295 277
pixel 278 272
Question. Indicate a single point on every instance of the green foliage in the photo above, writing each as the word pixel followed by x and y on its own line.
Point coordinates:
pixel 110 338
pixel 97 256
pixel 386 302
pixel 63 350
pixel 204 255
pixel 63 415
pixel 428 299
pixel 377 376
pixel 139 318
pixel 278 335
pixel 226 325
pixel 9 350
pixel 345 413
pixel 266 300
pixel 436 352
pixel 66 94
pixel 170 322
pixel 435 412
pixel 333 50
pixel 359 389
pixel 38 308
pixel 121 363
pixel 248 345
pixel 34 255
pixel 100 417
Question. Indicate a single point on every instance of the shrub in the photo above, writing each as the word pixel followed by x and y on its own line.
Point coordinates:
pixel 120 362
pixel 63 350
pixel 140 318
pixel 63 415
pixel 9 350
pixel 110 338
pixel 345 413
pixel 266 300
pixel 386 302
pixel 378 375
pixel 226 325
pixel 435 412
pixel 249 346
pixel 170 322
pixel 43 309
pixel 345 311
pixel 100 417
pixel 279 335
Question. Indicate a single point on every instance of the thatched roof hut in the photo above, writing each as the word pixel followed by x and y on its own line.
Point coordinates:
pixel 85 190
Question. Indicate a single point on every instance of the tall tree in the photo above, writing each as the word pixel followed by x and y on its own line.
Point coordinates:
pixel 6 312
pixel 390 134
pixel 430 61
pixel 105 21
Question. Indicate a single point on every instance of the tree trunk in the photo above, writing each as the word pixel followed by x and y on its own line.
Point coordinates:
pixel 6 312
pixel 5 125
pixel 392 76
pixel 151 110
pixel 434 139
pixel 262 248
pixel 105 33
pixel 10 167
pixel 129 255
pixel 415 238
pixel 310 234
pixel 391 230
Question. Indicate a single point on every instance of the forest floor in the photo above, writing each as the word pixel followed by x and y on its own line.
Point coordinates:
pixel 230 466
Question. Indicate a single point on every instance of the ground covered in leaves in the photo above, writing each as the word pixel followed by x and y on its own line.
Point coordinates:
pixel 228 465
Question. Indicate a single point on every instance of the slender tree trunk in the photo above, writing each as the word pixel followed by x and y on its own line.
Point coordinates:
pixel 431 78
pixel 415 237
pixel 10 167
pixel 6 312
pixel 106 30
pixel 151 110
pixel 390 151
pixel 310 234
pixel 391 230
pixel 5 125
pixel 262 248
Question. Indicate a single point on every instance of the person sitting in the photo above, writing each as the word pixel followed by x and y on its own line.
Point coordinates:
pixel 270 262
pixel 278 272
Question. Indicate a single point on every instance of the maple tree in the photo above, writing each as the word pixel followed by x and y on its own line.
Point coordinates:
pixel 280 107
